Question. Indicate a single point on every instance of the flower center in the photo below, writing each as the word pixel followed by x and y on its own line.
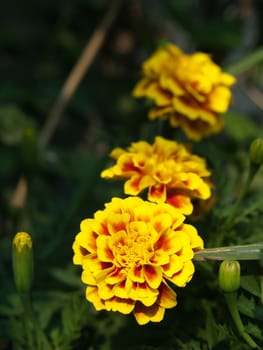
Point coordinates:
pixel 135 250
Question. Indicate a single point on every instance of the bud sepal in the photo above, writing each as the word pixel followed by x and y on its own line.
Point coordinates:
pixel 229 276
pixel 22 254
pixel 256 151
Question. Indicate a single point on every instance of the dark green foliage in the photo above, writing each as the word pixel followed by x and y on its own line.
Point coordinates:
pixel 39 44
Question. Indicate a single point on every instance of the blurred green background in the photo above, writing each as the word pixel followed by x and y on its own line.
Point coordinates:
pixel 40 42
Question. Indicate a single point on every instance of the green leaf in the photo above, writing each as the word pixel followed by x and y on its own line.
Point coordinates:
pixel 246 305
pixel 241 127
pixel 13 123
pixel 252 208
pixel 259 312
pixel 254 330
pixel 251 285
pixel 190 345
pixel 216 333
pixel 66 276
pixel 246 62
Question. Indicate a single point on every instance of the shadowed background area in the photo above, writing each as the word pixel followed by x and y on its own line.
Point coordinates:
pixel 48 187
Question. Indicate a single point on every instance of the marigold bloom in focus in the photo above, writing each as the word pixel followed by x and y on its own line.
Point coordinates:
pixel 170 172
pixel 129 251
pixel 189 90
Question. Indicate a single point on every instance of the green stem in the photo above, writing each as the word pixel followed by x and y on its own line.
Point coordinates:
pixel 246 63
pixel 253 168
pixel 33 324
pixel 231 300
pixel 261 289
pixel 238 252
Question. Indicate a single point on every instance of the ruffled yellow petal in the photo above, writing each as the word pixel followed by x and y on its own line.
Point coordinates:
pixel 227 79
pixel 144 315
pixel 141 88
pixel 117 152
pixel 153 275
pixel 77 258
pixel 105 291
pixel 132 186
pixel 136 246
pixel 186 88
pixel 116 276
pixel 169 82
pixel 104 252
pixel 182 202
pixel 162 222
pixel 163 113
pixel 121 290
pixel 88 278
pixel 93 296
pixel 124 306
pixel 167 168
pixel 93 264
pixel 181 278
pixel 101 276
pixel 198 186
pixel 196 241
pixel 117 222
pixel 157 193
pixel 144 293
pixel 219 99
pixel 169 242
pixel 167 297
pixel 160 257
pixel 135 274
pixel 175 265
pixel 87 240
pixel 155 92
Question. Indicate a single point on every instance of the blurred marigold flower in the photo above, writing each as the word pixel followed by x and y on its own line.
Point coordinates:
pixel 170 172
pixel 189 90
pixel 129 251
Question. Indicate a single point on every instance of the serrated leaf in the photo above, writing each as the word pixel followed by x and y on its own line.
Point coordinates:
pixel 66 276
pixel 191 345
pixel 259 312
pixel 254 330
pixel 13 123
pixel 252 208
pixel 251 285
pixel 213 333
pixel 246 305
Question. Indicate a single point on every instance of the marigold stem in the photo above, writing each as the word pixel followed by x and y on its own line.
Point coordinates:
pixel 238 252
pixel 33 326
pixel 246 63
pixel 253 168
pixel 231 300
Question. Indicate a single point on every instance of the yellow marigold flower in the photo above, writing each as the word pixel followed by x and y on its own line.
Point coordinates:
pixel 129 251
pixel 170 172
pixel 189 90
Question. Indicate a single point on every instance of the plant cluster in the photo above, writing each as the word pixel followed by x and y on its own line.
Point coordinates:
pixel 140 228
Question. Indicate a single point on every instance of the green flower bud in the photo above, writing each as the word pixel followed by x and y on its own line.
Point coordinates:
pixel 22 262
pixel 256 151
pixel 229 275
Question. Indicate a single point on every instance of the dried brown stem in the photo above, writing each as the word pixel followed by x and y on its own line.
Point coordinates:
pixel 68 89
pixel 256 96
pixel 78 72
pixel 19 196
